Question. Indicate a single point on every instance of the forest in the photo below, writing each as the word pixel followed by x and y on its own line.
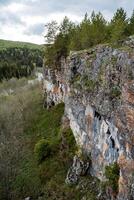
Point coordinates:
pixel 93 30
pixel 18 59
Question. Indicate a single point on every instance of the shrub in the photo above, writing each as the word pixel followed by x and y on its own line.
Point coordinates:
pixel 89 84
pixel 42 150
pixel 115 92
pixel 112 173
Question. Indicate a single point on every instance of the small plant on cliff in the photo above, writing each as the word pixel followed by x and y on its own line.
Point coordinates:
pixel 115 92
pixel 42 150
pixel 83 155
pixel 88 84
pixel 112 173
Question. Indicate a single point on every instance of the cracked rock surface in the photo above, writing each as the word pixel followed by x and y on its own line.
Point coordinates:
pixel 97 87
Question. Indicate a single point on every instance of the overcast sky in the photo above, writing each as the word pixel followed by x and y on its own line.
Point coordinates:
pixel 23 20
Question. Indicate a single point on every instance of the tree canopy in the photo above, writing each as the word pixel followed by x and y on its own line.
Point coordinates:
pixel 92 30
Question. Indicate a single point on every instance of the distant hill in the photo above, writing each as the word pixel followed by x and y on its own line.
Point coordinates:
pixel 19 59
pixel 12 44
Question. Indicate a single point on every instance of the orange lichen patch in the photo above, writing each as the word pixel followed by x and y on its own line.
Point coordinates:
pixel 127 147
pixel 126 166
pixel 127 94
pixel 90 127
pixel 130 97
pixel 131 165
pixel 122 185
pixel 55 90
pixel 100 159
pixel 118 122
pixel 130 117
pixel 122 161
pixel 89 118
pixel 105 147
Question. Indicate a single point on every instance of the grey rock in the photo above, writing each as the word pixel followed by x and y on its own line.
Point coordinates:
pixel 97 89
pixel 78 168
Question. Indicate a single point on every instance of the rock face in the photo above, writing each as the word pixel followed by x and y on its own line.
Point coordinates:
pixel 97 87
pixel 79 168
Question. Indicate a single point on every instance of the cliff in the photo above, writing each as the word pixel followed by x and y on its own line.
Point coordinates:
pixel 97 87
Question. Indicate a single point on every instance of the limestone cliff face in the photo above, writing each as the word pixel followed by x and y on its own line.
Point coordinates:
pixel 97 87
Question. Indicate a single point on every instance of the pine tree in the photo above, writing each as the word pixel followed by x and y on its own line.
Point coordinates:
pixel 99 30
pixel 119 25
pixel 75 38
pixel 131 25
pixel 85 33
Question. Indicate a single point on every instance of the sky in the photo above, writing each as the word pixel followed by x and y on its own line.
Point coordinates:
pixel 24 20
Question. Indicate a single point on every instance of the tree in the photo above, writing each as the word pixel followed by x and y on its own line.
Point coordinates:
pixel 66 26
pixel 60 46
pixel 86 33
pixel 91 31
pixel 119 25
pixel 98 28
pixel 52 29
pixel 131 25
pixel 75 41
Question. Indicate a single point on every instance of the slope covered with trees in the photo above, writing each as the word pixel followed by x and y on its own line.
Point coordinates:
pixel 34 153
pixel 18 59
pixel 90 31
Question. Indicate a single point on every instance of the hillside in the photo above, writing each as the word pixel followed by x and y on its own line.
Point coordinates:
pixel 4 44
pixel 19 59
pixel 24 126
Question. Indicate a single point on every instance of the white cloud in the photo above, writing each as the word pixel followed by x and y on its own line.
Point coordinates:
pixel 14 7
pixel 17 34
pixel 19 17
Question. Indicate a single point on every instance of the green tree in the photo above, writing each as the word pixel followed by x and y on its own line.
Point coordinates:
pixel 52 29
pixel 98 28
pixel 86 33
pixel 131 25
pixel 75 41
pixel 60 48
pixel 119 25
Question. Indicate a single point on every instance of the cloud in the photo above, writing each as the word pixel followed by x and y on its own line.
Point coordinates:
pixel 36 29
pixel 25 19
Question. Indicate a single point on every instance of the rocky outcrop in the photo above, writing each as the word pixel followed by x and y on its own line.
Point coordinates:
pixel 97 87
pixel 79 168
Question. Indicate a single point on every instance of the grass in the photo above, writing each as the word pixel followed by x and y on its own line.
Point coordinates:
pixel 24 123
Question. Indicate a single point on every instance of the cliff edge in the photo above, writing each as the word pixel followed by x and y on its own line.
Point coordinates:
pixel 97 87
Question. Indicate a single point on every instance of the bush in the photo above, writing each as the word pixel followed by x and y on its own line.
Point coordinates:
pixel 112 173
pixel 115 92
pixel 42 150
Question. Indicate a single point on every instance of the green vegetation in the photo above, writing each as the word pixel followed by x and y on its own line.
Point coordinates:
pixel 36 151
pixel 42 150
pixel 115 92
pixel 18 59
pixel 88 84
pixel 5 44
pixel 112 173
pixel 91 31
